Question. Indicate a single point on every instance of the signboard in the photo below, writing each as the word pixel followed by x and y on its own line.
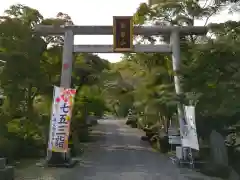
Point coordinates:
pixel 122 34
pixel 60 119
pixel 190 138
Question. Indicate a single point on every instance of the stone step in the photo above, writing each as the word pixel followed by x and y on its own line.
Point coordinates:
pixel 2 163
pixel 7 173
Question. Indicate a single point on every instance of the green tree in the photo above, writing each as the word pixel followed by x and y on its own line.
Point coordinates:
pixel 33 66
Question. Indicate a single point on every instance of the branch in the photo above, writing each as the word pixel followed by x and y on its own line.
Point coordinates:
pixel 34 95
pixel 210 16
pixel 205 4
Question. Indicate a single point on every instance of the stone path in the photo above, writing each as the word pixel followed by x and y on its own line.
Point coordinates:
pixel 119 154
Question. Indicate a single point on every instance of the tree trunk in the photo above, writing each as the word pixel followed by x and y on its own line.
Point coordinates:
pixel 29 109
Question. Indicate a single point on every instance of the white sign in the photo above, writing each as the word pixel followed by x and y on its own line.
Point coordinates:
pixel 174 140
pixel 60 119
pixel 190 138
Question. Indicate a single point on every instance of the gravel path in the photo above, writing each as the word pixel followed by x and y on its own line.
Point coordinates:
pixel 119 154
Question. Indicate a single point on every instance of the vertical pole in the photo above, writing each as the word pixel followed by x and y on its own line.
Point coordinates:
pixel 67 59
pixel 175 44
pixel 57 158
pixel 176 60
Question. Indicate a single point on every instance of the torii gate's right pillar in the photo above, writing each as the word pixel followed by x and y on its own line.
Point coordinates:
pixel 175 44
pixel 176 61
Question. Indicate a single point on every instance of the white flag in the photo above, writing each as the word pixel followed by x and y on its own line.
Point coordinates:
pixel 190 138
pixel 60 119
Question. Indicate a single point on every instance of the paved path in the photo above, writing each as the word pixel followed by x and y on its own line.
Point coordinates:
pixel 120 155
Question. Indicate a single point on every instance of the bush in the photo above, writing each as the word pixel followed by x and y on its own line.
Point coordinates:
pixel 8 148
pixel 20 138
pixel 164 145
pixel 15 147
pixel 128 122
pixel 132 120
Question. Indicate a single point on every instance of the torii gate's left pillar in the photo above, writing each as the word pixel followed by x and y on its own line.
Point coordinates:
pixel 58 159
pixel 67 59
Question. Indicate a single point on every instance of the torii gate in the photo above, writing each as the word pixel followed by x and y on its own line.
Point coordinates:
pixel 122 43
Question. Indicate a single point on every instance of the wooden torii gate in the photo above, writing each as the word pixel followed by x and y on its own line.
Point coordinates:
pixel 123 32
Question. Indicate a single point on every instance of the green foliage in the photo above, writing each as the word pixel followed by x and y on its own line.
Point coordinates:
pixel 209 75
pixel 33 66
pixel 89 99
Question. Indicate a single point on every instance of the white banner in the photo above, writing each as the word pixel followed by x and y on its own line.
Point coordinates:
pixel 60 119
pixel 190 138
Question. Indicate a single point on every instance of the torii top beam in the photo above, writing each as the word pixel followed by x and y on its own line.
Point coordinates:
pixel 108 30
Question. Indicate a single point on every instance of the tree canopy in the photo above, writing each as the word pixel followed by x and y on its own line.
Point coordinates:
pixel 32 68
pixel 209 68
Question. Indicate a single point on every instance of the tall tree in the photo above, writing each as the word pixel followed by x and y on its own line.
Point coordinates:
pixel 21 48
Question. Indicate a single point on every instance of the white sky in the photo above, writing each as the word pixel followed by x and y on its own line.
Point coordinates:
pixel 92 12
